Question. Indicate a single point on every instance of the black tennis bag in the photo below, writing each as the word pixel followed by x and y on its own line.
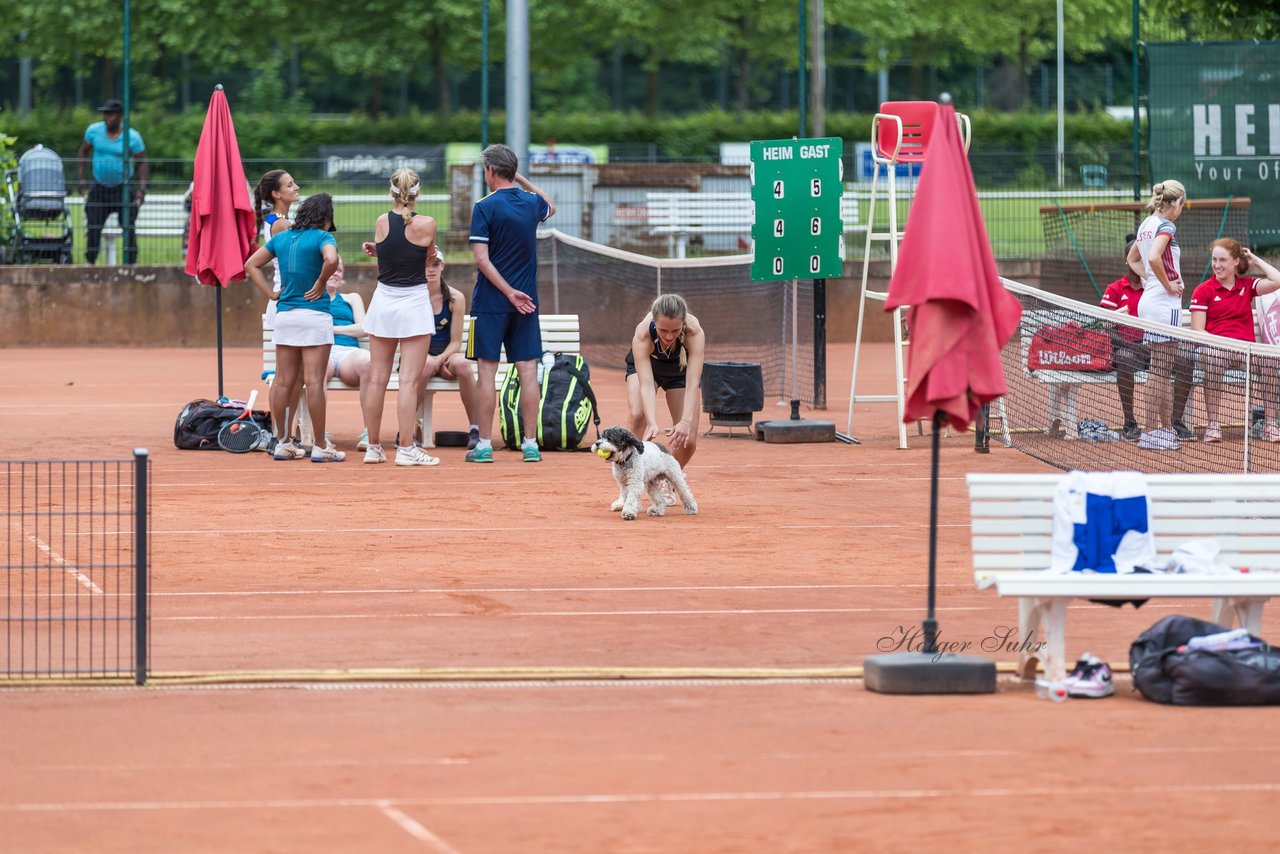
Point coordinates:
pixel 1164 674
pixel 566 406
pixel 199 421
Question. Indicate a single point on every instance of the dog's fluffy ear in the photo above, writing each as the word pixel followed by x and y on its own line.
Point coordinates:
pixel 635 443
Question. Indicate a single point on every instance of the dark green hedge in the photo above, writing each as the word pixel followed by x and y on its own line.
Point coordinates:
pixel 286 135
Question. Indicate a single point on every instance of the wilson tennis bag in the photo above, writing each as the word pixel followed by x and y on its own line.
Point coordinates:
pixel 567 404
pixel 197 425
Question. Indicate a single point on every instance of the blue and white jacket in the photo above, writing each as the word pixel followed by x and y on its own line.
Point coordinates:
pixel 1102 523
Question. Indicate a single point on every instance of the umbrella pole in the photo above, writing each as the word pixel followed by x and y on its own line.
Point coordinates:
pixel 220 394
pixel 930 623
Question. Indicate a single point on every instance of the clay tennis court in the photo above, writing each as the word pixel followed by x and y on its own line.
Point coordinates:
pixel 486 659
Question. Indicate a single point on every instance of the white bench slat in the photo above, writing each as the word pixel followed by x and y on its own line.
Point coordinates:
pixel 1011 539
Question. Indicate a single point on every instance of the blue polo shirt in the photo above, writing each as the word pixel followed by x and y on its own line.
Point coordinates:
pixel 108 153
pixel 298 253
pixel 507 220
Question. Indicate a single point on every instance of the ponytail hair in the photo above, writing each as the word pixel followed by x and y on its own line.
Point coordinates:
pixel 674 307
pixel 1166 194
pixel 404 189
pixel 262 201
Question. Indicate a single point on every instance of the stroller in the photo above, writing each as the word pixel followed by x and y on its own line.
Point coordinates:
pixel 38 201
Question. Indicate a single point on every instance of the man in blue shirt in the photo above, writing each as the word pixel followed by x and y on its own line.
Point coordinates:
pixel 504 308
pixel 104 142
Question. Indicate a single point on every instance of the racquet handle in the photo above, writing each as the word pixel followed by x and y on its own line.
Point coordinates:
pixel 253 396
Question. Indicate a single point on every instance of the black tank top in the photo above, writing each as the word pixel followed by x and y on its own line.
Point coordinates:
pixel 401 264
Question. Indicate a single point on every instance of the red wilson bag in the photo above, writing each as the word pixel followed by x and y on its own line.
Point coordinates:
pixel 1069 347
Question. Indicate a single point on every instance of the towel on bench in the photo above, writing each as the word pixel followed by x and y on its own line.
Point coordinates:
pixel 1101 523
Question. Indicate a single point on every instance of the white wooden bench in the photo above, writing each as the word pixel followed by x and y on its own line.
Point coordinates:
pixel 560 334
pixel 1012 523
pixel 679 215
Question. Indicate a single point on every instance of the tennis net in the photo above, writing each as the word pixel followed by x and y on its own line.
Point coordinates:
pixel 611 290
pixel 75 585
pixel 1065 368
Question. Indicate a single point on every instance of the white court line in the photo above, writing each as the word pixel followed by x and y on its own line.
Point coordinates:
pixel 70 568
pixel 656 589
pixel 470 529
pixel 416 830
pixel 1123 792
pixel 441 614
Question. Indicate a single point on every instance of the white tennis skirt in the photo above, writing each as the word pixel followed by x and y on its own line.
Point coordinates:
pixel 303 327
pixel 396 312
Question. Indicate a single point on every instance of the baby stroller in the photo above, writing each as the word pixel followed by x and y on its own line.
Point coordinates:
pixel 38 201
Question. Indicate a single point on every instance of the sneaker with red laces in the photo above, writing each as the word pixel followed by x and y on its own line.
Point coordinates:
pixel 1090 678
pixel 1213 432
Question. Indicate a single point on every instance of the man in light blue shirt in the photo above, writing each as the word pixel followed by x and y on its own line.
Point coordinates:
pixel 104 142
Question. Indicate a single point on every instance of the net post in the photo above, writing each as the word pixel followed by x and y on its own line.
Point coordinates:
pixel 819 343
pixel 140 616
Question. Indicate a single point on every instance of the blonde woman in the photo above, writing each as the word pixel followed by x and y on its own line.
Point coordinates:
pixel 1156 256
pixel 399 316
pixel 667 352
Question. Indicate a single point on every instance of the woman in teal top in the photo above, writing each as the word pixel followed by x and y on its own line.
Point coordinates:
pixel 307 256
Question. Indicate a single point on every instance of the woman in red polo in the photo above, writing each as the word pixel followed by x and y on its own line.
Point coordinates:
pixel 1223 305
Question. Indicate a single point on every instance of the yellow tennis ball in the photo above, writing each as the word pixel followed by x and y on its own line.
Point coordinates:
pixel 605 453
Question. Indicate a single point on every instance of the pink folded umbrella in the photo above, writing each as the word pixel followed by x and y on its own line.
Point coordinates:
pixel 222 217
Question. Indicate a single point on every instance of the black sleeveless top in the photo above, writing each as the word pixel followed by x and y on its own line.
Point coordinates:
pixel 401 264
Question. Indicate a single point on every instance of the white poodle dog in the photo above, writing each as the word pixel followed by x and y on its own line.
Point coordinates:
pixel 641 467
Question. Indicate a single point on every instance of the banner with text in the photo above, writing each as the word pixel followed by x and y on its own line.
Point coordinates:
pixel 1215 124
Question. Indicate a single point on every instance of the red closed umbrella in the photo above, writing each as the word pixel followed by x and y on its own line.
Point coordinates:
pixel 959 314
pixel 222 217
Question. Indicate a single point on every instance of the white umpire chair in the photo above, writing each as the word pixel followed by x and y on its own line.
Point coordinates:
pixel 900 134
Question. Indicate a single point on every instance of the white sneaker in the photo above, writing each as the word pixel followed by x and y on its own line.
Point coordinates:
pixel 327 454
pixel 415 456
pixel 1164 439
pixel 375 454
pixel 363 442
pixel 289 450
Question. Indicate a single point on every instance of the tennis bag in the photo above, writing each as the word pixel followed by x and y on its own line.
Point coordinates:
pixel 566 405
pixel 1165 670
pixel 200 420
pixel 1069 347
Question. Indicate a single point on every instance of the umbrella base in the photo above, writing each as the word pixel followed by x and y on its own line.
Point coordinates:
pixel 795 430
pixel 921 673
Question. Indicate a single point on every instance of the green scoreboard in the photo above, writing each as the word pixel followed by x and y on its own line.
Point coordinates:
pixel 796 185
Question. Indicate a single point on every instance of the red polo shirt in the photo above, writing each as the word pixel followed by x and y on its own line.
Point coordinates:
pixel 1121 294
pixel 1228 312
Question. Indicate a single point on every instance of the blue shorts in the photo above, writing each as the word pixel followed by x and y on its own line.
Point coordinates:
pixel 521 334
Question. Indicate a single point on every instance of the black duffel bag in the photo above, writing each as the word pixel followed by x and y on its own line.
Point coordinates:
pixel 1192 677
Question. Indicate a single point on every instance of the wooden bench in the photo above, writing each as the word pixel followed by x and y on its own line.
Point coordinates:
pixel 560 334
pixel 1012 523
pixel 679 215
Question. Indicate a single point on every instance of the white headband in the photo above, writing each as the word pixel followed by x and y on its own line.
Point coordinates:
pixel 395 191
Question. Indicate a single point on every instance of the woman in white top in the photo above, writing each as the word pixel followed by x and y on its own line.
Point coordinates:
pixel 1156 257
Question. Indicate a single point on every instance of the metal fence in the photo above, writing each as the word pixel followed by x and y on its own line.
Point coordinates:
pixel 606 203
pixel 76 569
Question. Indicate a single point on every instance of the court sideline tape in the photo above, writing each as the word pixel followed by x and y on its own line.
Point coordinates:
pixel 548 675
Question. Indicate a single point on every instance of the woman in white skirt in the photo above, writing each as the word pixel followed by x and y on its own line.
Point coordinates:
pixel 307 256
pixel 1156 256
pixel 399 315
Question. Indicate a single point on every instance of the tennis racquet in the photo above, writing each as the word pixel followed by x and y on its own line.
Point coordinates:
pixel 243 434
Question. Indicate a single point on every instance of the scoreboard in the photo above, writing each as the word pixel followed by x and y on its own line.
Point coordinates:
pixel 796 185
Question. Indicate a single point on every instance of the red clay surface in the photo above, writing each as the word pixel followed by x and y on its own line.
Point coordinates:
pixel 803 556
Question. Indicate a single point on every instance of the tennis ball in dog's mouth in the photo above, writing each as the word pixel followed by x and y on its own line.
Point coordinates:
pixel 605 453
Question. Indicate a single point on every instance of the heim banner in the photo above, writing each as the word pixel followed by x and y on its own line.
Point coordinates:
pixel 1215 124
